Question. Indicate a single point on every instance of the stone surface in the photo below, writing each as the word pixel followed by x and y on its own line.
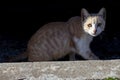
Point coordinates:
pixel 64 70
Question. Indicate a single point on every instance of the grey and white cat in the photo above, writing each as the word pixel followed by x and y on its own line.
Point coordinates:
pixel 57 39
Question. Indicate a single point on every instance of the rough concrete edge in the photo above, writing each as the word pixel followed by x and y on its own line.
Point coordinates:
pixel 60 70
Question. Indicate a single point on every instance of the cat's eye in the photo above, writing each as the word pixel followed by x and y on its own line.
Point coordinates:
pixel 99 24
pixel 89 25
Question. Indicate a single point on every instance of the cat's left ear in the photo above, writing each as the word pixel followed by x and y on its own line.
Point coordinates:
pixel 102 13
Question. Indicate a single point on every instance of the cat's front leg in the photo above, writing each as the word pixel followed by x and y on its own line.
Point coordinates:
pixel 87 54
pixel 82 48
pixel 90 55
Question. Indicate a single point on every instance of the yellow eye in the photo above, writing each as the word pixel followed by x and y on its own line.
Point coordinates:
pixel 89 25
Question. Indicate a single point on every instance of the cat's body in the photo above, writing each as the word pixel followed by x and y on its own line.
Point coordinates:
pixel 57 39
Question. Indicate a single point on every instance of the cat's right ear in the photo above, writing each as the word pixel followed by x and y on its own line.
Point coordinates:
pixel 84 14
pixel 102 13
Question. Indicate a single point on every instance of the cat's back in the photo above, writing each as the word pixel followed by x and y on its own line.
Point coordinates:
pixel 50 39
pixel 55 30
pixel 51 32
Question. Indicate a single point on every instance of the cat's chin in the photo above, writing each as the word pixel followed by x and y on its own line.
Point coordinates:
pixel 91 34
pixel 94 35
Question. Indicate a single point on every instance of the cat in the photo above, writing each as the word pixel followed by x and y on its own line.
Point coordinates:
pixel 58 39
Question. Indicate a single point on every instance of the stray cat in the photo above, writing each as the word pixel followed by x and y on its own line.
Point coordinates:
pixel 57 39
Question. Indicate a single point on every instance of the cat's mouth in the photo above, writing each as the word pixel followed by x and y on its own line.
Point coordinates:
pixel 93 34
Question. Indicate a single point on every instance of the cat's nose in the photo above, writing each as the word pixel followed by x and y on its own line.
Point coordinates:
pixel 95 31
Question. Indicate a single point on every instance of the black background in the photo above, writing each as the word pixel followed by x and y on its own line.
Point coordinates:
pixel 22 19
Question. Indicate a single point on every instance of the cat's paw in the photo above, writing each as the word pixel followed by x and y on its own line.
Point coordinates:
pixel 93 57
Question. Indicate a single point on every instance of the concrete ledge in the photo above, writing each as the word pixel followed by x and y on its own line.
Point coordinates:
pixel 68 70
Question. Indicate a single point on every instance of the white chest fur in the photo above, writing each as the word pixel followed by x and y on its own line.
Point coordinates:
pixel 83 44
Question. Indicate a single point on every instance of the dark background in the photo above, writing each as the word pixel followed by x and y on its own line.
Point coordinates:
pixel 20 20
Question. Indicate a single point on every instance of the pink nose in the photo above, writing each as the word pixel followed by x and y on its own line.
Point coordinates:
pixel 95 31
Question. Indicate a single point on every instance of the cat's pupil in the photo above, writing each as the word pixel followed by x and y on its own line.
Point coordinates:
pixel 89 25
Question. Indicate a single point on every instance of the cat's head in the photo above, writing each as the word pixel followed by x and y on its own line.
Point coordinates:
pixel 93 24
